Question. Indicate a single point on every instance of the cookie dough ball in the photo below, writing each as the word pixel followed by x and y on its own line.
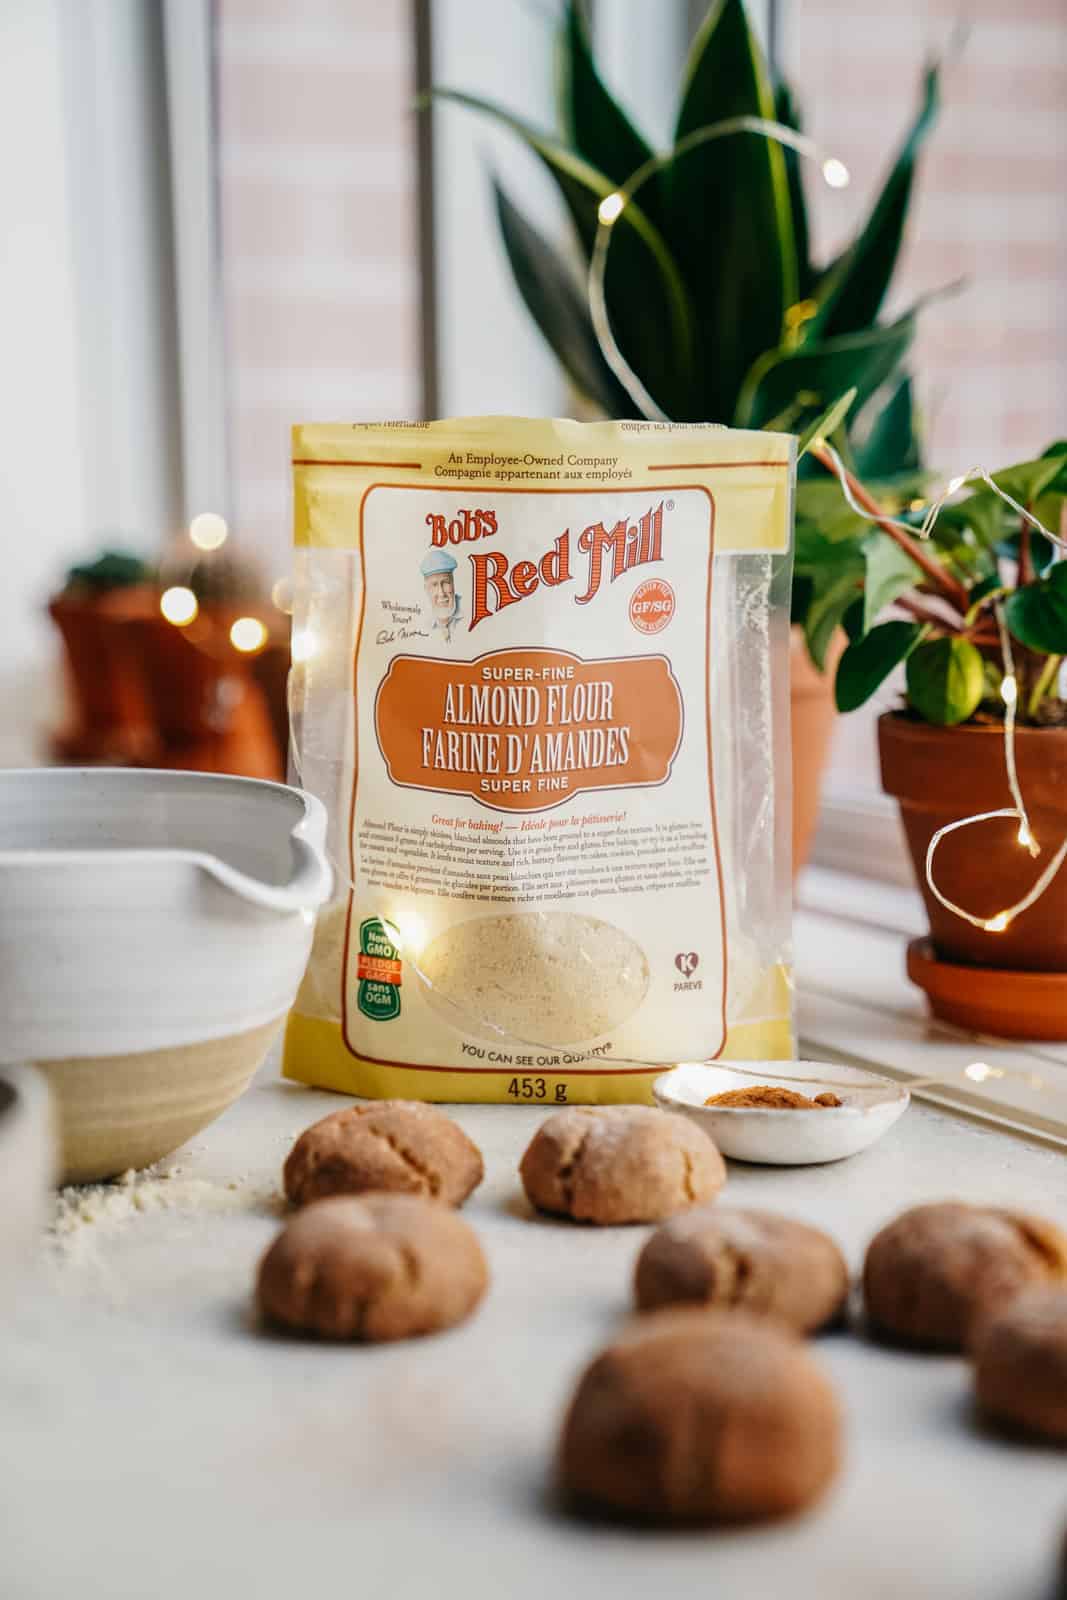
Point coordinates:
pixel 1020 1356
pixel 620 1164
pixel 752 1260
pixel 931 1273
pixel 701 1416
pixel 383 1266
pixel 403 1146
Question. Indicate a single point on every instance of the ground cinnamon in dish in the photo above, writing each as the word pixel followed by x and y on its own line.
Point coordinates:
pixel 772 1098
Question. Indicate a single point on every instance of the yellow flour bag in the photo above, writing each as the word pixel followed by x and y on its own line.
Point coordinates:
pixel 540 680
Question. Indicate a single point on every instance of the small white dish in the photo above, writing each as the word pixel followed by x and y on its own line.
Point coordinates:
pixel 27 1170
pixel 785 1138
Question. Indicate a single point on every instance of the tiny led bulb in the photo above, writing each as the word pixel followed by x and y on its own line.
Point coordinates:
pixel 610 208
pixel 248 635
pixel 409 933
pixel 836 173
pixel 304 646
pixel 1009 690
pixel 956 484
pixel 1025 837
pixel 998 923
pixel 208 531
pixel 980 1071
pixel 179 605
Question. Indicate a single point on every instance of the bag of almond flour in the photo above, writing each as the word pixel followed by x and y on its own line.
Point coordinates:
pixel 540 680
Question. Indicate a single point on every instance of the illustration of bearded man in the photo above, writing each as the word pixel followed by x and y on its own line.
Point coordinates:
pixel 438 579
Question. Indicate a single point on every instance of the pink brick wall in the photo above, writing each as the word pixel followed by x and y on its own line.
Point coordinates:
pixel 317 176
pixel 993 360
pixel 991 208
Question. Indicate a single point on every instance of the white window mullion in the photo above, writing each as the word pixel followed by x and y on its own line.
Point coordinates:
pixel 491 357
pixel 188 28
pixel 116 192
pixel 641 50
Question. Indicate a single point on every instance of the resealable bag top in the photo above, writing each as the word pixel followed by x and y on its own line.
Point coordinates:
pixel 541 682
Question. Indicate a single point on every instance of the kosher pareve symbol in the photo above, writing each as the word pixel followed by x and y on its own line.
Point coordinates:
pixel 687 963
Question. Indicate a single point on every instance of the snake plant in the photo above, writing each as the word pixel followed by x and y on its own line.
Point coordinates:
pixel 711 290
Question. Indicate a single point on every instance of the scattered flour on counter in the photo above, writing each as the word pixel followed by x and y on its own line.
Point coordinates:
pixel 85 1211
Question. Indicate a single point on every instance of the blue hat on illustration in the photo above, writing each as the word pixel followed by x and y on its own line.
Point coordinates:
pixel 436 561
pixel 438 579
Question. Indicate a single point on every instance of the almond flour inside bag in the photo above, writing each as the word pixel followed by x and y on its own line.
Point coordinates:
pixel 540 680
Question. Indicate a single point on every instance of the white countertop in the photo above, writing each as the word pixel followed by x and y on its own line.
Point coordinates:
pixel 155 1444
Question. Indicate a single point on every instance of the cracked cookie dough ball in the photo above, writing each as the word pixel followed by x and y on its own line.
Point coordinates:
pixel 934 1271
pixel 374 1268
pixel 620 1164
pixel 748 1260
pixel 1020 1357
pixel 701 1416
pixel 403 1146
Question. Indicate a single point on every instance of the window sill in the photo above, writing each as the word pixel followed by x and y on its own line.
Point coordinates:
pixel 855 1004
pixel 858 825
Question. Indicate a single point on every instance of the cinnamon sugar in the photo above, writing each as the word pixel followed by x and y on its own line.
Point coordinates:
pixel 772 1098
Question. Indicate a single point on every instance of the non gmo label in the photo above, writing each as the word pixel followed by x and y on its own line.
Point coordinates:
pixel 379 970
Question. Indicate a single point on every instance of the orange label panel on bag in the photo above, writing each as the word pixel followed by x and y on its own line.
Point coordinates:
pixel 523 730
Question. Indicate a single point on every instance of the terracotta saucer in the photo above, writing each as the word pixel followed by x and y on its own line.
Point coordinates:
pixel 1010 1005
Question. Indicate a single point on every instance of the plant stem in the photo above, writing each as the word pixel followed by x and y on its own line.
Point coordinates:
pixel 1025 573
pixel 1041 687
pixel 921 613
pixel 943 582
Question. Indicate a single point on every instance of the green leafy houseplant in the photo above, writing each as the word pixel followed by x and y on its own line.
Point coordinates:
pixel 111 570
pixel 933 603
pixel 710 287
pixel 973 603
pixel 108 717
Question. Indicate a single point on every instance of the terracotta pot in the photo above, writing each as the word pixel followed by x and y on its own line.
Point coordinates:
pixel 940 775
pixel 111 720
pixel 209 713
pixel 188 684
pixel 812 715
pixel 1011 1005
pixel 1013 983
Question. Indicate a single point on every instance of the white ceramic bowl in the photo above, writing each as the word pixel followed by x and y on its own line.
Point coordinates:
pixel 785 1138
pixel 154 927
pixel 27 1169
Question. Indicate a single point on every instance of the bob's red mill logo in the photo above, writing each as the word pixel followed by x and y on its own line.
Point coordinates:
pixel 598 551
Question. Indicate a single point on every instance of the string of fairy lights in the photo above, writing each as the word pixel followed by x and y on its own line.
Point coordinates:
pixel 178 602
pixel 836 174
